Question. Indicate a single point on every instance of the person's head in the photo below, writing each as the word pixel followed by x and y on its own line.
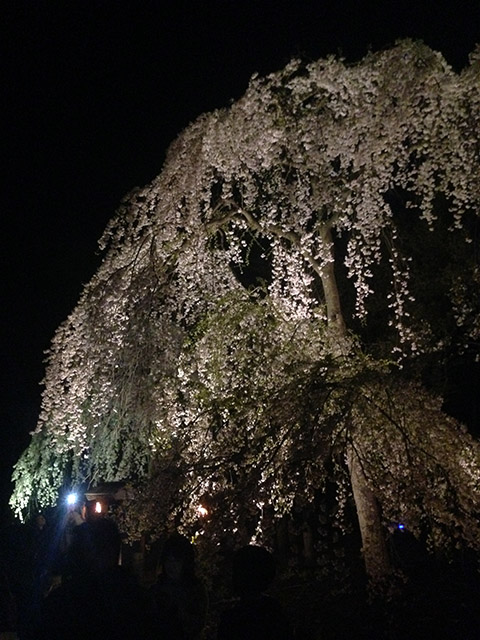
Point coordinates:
pixel 178 558
pixel 253 570
pixel 96 545
pixel 40 521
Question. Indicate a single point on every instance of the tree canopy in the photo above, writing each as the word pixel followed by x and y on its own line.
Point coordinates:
pixel 266 304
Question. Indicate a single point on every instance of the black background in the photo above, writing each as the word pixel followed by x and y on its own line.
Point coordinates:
pixel 92 94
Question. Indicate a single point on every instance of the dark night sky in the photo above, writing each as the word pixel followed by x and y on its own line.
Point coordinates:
pixel 95 91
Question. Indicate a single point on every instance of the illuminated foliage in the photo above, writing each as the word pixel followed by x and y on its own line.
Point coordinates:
pixel 257 302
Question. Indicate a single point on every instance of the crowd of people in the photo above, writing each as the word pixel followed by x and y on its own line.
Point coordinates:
pixel 79 589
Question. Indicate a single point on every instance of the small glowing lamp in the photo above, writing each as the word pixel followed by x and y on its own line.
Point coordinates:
pixel 98 507
pixel 72 499
pixel 202 512
pixel 401 526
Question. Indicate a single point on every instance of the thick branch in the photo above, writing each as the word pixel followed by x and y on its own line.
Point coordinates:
pixel 325 271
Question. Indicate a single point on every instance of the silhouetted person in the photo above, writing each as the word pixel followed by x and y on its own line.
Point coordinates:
pixel 256 616
pixel 8 608
pixel 97 599
pixel 26 554
pixel 180 595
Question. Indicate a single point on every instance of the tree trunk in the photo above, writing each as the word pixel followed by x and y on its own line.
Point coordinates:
pixel 374 548
pixel 336 322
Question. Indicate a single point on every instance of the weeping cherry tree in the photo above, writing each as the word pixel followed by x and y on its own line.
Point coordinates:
pixel 265 308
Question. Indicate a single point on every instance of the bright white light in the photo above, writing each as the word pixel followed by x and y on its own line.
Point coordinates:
pixel 202 511
pixel 98 507
pixel 71 498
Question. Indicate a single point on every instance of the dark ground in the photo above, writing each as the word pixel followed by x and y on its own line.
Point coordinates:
pixel 429 598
